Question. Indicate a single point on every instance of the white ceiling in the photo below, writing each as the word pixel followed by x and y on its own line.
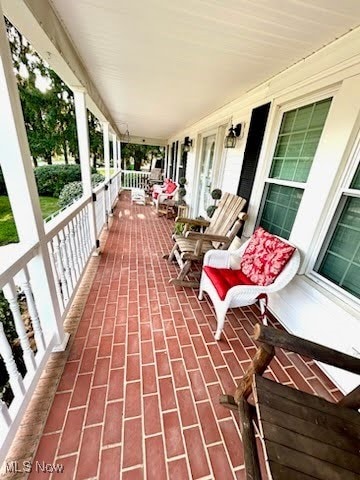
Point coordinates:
pixel 161 65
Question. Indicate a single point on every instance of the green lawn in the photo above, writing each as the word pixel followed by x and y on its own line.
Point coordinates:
pixel 8 233
pixel 102 170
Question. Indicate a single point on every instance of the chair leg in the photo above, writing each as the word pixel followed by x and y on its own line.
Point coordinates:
pixel 180 280
pixel 262 305
pixel 201 294
pixel 220 318
pixel 172 253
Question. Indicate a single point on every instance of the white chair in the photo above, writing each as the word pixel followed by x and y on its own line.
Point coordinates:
pixel 241 295
pixel 162 196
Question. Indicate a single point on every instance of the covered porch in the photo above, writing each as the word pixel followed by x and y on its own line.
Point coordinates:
pixel 122 376
pixel 139 394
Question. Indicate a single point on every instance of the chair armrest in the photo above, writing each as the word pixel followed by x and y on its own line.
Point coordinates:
pixel 192 221
pixel 282 339
pixel 217 258
pixel 207 236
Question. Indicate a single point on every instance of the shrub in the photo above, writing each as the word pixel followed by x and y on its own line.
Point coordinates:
pixel 181 192
pixel 216 195
pixel 51 179
pixel 73 190
pixel 69 193
pixel 97 178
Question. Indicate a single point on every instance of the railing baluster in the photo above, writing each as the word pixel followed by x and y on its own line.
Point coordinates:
pixel 5 419
pixel 56 274
pixel 65 260
pixel 15 379
pixel 10 294
pixel 34 316
pixel 79 262
pixel 103 199
pixel 80 241
pixel 84 235
pixel 70 255
pixel 73 248
pixel 61 269
pixel 87 230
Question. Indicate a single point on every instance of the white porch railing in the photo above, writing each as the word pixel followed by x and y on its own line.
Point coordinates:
pixel 69 243
pixel 134 179
pixel 35 339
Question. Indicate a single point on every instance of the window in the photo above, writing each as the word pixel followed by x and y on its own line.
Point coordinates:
pixel 339 259
pixel 299 136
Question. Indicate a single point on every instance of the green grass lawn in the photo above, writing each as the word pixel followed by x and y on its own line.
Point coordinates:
pixel 8 233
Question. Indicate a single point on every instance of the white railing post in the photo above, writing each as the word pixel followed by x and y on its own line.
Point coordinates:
pixel 84 152
pixel 19 178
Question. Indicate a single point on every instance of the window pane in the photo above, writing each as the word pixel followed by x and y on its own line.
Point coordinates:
pixel 341 261
pixel 356 182
pixel 280 209
pixel 298 140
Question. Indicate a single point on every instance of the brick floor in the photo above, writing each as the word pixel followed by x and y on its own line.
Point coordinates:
pixel 138 398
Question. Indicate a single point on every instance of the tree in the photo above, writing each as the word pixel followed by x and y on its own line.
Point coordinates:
pixel 49 115
pixel 95 139
pixel 141 154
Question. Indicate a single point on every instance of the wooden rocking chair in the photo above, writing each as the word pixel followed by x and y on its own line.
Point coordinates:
pixel 220 231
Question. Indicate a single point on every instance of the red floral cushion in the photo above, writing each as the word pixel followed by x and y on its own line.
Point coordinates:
pixel 224 278
pixel 265 257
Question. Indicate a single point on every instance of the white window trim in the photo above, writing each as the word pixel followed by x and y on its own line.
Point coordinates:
pixel 279 106
pixel 283 108
pixel 343 189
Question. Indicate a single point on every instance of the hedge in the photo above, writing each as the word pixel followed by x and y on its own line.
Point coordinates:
pixel 51 179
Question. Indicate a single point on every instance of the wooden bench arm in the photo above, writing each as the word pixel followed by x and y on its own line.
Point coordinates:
pixel 207 236
pixel 192 221
pixel 282 339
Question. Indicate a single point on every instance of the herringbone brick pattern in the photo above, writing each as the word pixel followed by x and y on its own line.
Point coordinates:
pixel 138 398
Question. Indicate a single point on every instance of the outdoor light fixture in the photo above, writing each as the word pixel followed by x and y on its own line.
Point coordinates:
pixel 230 139
pixel 187 144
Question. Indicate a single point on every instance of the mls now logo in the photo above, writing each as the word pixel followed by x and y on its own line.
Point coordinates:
pixel 27 467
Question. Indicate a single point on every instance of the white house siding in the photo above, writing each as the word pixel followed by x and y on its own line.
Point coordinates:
pixel 307 307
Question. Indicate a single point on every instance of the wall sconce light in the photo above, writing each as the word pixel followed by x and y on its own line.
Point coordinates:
pixel 230 139
pixel 187 144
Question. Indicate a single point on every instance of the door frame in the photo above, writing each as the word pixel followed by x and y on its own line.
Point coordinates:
pixel 218 163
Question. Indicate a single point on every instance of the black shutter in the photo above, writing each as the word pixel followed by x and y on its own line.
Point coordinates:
pixel 252 150
pixel 255 137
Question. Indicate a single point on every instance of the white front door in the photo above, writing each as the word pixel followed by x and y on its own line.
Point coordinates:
pixel 206 173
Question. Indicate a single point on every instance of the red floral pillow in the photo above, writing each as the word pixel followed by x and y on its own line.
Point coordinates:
pixel 171 187
pixel 265 257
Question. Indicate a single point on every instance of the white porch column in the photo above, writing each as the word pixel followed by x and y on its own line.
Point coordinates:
pixel 82 128
pixel 107 166
pixel 115 157
pixel 19 178
pixel 119 155
pixel 119 166
pixel 106 149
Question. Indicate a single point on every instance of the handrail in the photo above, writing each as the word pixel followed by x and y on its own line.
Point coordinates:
pixel 16 265
pixel 61 220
